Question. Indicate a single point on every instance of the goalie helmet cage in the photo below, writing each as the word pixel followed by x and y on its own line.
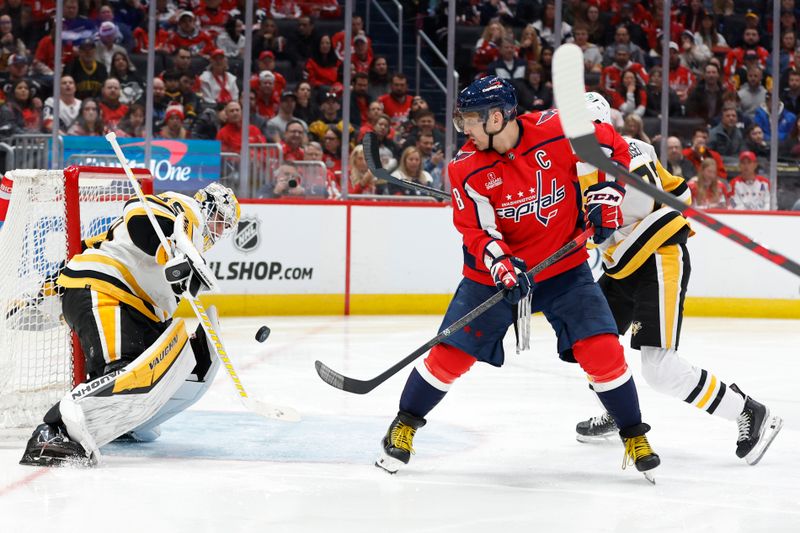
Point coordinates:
pixel 50 213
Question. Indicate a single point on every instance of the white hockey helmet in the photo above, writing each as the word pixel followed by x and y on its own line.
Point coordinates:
pixel 598 107
pixel 221 211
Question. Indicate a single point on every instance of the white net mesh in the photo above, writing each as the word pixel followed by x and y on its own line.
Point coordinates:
pixel 35 344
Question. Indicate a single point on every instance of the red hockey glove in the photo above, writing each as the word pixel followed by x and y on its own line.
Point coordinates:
pixel 511 275
pixel 603 210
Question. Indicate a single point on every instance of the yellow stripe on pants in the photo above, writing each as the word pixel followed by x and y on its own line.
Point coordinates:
pixel 670 267
pixel 108 317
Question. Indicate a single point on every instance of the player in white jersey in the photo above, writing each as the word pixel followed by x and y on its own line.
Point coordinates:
pixel 646 271
pixel 142 366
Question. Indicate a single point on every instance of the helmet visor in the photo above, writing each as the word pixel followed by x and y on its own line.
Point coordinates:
pixel 468 119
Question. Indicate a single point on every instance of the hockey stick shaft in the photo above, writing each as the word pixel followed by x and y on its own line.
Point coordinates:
pixel 568 87
pixel 356 386
pixel 214 338
pixel 373 158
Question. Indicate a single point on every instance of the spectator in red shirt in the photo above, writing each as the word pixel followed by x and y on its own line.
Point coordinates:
pixel 110 106
pixel 322 68
pixel 374 112
pixel 187 34
pixel 630 97
pixel 212 17
pixel 487 49
pixel 266 61
pixel 358 29
pixel 361 179
pixel 284 9
pixel 292 143
pixel 397 103
pixel 332 150
pixel 699 152
pixel 267 98
pixel 362 54
pixel 611 77
pixel 735 58
pixel 230 135
pixel 681 79
pixel 749 190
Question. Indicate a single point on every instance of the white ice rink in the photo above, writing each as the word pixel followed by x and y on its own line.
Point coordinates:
pixel 499 453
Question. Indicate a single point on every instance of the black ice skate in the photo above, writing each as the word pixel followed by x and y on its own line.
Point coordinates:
pixel 638 451
pixel 597 428
pixel 757 429
pixel 396 447
pixel 50 446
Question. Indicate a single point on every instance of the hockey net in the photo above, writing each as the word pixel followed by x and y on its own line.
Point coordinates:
pixel 49 214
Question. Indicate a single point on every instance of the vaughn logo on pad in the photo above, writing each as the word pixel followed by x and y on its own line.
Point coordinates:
pixel 248 234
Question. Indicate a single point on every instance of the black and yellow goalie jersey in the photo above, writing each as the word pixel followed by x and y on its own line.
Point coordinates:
pixel 647 225
pixel 127 262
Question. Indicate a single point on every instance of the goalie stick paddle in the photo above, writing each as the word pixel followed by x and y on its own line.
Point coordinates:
pixel 373 158
pixel 357 386
pixel 568 89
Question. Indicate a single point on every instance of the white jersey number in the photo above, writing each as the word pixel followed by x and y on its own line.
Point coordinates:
pixel 457 198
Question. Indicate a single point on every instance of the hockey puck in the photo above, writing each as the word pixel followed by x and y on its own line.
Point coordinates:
pixel 262 334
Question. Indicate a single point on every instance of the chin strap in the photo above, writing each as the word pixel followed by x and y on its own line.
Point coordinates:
pixel 491 135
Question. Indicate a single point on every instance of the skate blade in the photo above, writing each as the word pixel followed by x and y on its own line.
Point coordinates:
pixel 388 463
pixel 589 439
pixel 769 433
pixel 649 477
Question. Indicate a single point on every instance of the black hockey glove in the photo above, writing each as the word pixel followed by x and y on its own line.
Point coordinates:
pixel 182 276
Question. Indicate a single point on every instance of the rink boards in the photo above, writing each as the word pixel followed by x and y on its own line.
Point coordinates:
pixel 319 258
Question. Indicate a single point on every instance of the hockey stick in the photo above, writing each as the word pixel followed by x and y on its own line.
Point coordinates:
pixel 252 404
pixel 373 158
pixel 357 386
pixel 568 88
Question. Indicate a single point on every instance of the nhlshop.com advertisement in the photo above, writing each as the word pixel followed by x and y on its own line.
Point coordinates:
pixel 283 249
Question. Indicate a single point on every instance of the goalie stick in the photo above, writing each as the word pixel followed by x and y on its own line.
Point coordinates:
pixel 357 386
pixel 256 406
pixel 373 158
pixel 568 89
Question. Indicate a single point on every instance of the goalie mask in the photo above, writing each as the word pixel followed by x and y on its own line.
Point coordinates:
pixel 221 211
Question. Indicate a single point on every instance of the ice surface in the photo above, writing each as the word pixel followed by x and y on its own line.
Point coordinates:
pixel 498 454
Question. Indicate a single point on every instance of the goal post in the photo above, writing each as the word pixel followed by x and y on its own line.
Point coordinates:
pixel 50 213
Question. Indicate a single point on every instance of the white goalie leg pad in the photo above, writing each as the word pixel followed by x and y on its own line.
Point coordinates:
pixel 192 389
pixel 668 373
pixel 97 412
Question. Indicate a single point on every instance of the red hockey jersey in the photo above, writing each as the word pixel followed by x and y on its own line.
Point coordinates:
pixel 525 202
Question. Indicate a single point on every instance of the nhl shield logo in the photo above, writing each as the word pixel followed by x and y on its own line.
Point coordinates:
pixel 248 234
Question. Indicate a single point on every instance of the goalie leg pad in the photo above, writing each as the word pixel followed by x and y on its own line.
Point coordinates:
pixel 99 411
pixel 206 366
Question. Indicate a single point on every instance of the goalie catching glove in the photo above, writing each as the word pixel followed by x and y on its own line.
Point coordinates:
pixel 511 274
pixel 603 211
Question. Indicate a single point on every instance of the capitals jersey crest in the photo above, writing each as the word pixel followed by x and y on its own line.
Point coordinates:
pixel 525 202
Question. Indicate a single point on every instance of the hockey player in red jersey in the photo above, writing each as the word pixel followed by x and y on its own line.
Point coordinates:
pixel 516 200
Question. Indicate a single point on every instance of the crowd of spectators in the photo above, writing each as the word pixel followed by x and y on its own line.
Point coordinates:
pixel 720 77
pixel 295 82
pixel 720 80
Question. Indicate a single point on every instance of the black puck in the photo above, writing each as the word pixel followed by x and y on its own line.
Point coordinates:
pixel 262 334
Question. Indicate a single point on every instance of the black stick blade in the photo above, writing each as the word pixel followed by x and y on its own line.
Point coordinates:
pixel 372 151
pixel 338 381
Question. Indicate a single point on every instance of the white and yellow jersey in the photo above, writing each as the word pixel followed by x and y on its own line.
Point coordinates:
pixel 127 261
pixel 647 225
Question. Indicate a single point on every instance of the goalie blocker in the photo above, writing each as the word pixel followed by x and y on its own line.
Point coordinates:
pixel 131 400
